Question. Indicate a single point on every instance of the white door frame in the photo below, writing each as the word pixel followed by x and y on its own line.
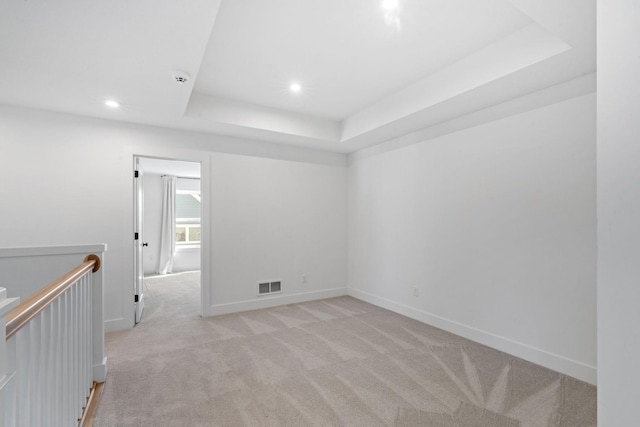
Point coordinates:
pixel 204 159
pixel 138 242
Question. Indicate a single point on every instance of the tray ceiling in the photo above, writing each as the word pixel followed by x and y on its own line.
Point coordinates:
pixel 367 73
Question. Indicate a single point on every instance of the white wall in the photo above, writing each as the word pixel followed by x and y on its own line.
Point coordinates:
pixel 32 268
pixel 496 228
pixel 618 212
pixel 68 180
pixel 276 220
pixel 62 183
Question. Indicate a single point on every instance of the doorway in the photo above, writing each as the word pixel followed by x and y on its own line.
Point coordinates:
pixel 168 237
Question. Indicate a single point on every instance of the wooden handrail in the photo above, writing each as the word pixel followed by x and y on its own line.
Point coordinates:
pixel 30 307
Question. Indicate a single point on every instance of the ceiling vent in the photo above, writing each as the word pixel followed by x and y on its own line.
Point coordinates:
pixel 181 77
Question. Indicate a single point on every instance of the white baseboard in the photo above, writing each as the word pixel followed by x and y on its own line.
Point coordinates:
pixel 100 371
pixel 273 301
pixel 116 325
pixel 552 361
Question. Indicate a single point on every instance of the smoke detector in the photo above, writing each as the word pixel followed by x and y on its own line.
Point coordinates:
pixel 181 77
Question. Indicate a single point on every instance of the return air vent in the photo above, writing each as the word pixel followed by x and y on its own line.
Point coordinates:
pixel 265 288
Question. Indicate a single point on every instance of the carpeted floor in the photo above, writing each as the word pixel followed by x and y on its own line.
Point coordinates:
pixel 335 362
pixel 173 296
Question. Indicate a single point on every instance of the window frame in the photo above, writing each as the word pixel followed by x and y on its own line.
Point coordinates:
pixel 188 223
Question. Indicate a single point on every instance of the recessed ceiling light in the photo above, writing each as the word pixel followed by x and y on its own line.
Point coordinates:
pixel 295 87
pixel 111 103
pixel 390 4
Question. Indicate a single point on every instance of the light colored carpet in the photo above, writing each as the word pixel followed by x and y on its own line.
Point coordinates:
pixel 335 362
pixel 171 296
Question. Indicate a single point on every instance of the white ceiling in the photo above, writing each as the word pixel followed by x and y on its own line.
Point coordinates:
pixel 345 54
pixel 367 74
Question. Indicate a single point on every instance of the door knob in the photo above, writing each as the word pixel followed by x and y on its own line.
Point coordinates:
pixel 145 244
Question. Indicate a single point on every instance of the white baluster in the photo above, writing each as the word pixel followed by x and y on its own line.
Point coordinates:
pixel 22 364
pixel 11 408
pixel 49 389
pixel 66 359
pixel 83 341
pixel 7 365
pixel 74 351
pixel 35 372
pixel 80 387
pixel 89 334
pixel 59 399
pixel 86 339
pixel 80 338
pixel 38 339
pixel 81 392
pixel 45 338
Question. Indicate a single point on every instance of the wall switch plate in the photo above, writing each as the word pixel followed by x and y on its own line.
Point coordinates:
pixel 416 292
pixel 304 278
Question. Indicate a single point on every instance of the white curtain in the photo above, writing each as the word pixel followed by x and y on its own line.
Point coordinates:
pixel 168 230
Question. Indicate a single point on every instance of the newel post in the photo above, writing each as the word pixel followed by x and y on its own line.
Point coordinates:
pixel 6 377
pixel 99 356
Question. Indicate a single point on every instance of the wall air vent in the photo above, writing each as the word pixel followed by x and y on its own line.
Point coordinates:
pixel 265 288
pixel 275 286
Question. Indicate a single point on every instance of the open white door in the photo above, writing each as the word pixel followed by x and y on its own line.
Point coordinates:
pixel 138 243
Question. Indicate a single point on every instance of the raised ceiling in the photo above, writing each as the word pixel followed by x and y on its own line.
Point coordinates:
pixel 346 55
pixel 368 74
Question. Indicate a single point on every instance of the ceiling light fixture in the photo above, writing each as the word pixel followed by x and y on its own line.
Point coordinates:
pixel 391 12
pixel 111 103
pixel 390 4
pixel 295 87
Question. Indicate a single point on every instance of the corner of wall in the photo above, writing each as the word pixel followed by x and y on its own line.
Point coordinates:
pixel 551 361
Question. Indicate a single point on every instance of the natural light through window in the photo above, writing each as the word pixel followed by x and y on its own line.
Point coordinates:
pixel 187 217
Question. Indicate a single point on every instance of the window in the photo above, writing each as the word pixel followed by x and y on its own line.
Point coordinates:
pixel 187 217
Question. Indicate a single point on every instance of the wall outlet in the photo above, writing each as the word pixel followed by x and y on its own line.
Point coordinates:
pixel 304 278
pixel 416 292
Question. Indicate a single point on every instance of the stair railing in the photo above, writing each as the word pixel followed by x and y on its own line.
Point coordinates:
pixel 53 356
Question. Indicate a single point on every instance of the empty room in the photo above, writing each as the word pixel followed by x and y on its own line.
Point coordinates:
pixel 356 213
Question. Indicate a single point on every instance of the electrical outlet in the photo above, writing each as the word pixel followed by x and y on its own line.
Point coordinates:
pixel 416 292
pixel 304 278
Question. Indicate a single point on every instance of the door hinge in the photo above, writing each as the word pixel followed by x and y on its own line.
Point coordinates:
pixel 135 236
pixel 135 174
pixel 136 298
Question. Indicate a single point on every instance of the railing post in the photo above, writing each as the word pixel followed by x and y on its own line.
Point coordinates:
pixel 99 359
pixel 6 377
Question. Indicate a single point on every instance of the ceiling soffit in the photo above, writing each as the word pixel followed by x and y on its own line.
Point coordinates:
pixel 555 44
pixel 367 76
